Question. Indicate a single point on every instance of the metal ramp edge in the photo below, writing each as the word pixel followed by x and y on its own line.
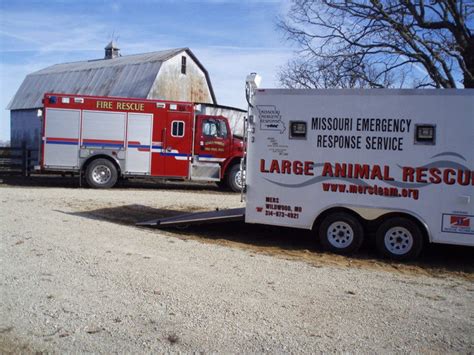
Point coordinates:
pixel 228 215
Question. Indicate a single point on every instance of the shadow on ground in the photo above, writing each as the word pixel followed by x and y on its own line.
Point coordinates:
pixel 40 180
pixel 294 244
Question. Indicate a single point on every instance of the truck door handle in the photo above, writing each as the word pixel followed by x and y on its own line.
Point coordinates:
pixel 168 149
pixel 163 139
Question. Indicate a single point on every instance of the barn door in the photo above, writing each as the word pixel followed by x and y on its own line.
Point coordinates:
pixel 139 144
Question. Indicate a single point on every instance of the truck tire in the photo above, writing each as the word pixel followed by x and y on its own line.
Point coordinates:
pixel 234 178
pixel 222 184
pixel 101 174
pixel 341 233
pixel 399 238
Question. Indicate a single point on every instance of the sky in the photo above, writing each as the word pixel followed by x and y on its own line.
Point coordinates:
pixel 231 38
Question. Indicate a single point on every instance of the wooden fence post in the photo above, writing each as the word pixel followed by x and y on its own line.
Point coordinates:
pixel 28 162
pixel 24 159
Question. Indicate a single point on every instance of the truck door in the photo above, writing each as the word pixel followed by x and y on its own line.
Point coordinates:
pixel 213 139
pixel 176 145
pixel 139 143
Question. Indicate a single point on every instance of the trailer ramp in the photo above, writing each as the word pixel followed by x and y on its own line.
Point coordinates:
pixel 217 216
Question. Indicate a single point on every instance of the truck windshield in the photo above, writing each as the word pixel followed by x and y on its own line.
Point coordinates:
pixel 214 128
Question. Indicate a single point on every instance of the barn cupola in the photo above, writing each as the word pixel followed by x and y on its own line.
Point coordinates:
pixel 111 51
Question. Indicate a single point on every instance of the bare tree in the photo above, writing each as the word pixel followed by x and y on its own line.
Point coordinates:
pixel 375 43
pixel 345 71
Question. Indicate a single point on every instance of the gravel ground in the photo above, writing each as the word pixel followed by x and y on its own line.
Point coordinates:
pixel 72 281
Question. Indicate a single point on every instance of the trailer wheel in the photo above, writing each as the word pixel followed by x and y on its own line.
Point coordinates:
pixel 341 233
pixel 234 178
pixel 101 174
pixel 399 238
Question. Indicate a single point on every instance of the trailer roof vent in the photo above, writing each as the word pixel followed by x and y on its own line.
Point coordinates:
pixel 112 51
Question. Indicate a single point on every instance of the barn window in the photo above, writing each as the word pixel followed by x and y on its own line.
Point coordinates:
pixel 183 65
pixel 177 128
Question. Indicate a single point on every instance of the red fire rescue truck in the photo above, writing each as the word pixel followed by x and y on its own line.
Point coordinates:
pixel 108 138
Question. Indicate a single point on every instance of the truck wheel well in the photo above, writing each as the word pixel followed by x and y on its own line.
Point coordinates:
pixel 422 226
pixel 235 160
pixel 100 156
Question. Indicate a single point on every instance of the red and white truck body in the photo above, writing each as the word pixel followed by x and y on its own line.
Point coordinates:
pixel 340 161
pixel 138 137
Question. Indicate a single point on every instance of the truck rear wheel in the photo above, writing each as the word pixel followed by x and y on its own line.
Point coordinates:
pixel 234 178
pixel 341 233
pixel 399 238
pixel 101 174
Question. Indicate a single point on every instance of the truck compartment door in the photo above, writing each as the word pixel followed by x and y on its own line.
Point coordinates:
pixel 61 138
pixel 103 130
pixel 139 132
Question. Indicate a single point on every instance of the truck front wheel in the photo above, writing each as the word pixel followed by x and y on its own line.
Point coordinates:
pixel 341 233
pixel 234 178
pixel 101 174
pixel 399 238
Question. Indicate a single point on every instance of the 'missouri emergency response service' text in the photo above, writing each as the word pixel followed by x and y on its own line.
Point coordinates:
pixel 355 141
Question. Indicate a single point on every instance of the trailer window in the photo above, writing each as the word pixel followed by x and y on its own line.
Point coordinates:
pixel 297 130
pixel 214 128
pixel 425 134
pixel 177 128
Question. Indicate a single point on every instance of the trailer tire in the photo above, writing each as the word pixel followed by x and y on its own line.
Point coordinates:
pixel 341 233
pixel 234 178
pixel 101 174
pixel 399 238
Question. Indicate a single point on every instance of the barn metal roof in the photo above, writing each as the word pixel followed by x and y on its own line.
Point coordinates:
pixel 127 76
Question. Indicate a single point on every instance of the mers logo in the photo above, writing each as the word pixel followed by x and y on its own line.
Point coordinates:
pixel 270 118
pixel 460 221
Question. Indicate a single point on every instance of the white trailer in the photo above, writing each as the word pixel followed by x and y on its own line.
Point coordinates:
pixel 339 161
pixel 347 162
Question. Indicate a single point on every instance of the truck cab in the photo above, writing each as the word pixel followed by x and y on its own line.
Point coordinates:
pixel 215 144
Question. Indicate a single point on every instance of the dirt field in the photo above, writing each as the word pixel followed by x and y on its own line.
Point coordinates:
pixel 77 275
